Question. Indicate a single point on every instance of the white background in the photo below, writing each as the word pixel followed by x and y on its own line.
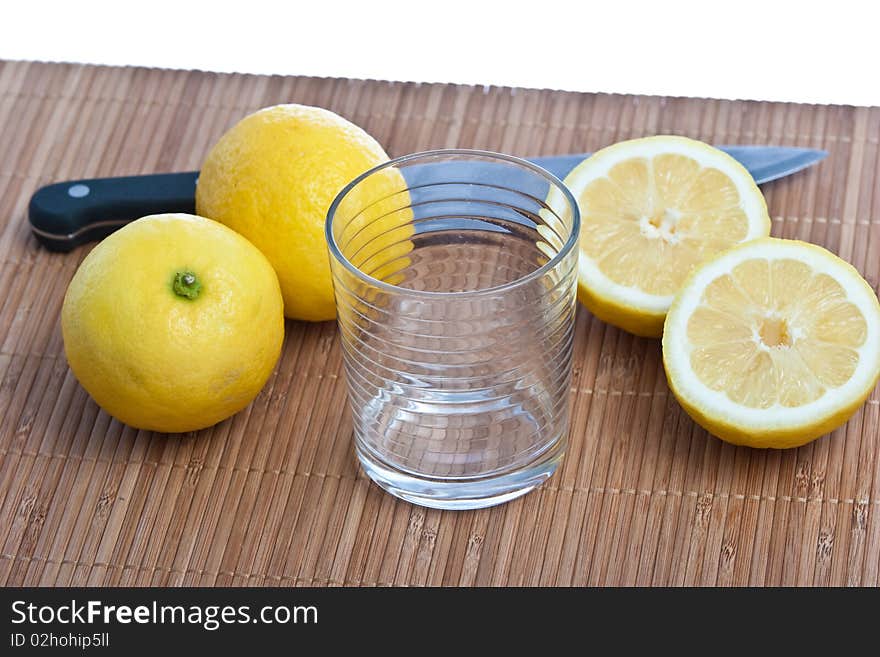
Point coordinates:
pixel 830 53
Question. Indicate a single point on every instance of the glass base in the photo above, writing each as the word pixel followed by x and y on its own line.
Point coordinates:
pixel 464 493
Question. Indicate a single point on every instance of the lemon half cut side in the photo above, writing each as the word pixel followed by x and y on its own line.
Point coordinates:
pixel 773 343
pixel 653 209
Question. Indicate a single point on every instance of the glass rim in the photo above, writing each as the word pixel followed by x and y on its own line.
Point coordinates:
pixel 554 181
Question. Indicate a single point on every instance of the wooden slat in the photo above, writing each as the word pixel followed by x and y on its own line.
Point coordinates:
pixel 273 497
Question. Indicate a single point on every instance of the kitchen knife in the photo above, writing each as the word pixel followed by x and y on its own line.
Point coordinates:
pixel 67 214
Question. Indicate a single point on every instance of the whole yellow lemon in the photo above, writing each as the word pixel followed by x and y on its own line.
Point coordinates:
pixel 173 323
pixel 272 178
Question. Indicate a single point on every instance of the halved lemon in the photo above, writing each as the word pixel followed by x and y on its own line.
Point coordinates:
pixel 652 209
pixel 773 343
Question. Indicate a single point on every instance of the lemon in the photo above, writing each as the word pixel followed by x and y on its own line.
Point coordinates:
pixel 652 209
pixel 773 343
pixel 272 178
pixel 173 323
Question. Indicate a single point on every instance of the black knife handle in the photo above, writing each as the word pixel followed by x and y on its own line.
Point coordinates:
pixel 67 214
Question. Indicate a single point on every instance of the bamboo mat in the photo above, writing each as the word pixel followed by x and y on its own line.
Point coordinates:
pixel 273 496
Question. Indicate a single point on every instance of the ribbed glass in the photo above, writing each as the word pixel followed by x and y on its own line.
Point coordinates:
pixel 455 277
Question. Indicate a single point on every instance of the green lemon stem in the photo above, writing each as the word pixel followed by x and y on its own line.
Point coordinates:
pixel 186 284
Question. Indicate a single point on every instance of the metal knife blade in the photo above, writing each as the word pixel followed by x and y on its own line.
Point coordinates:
pixel 765 163
pixel 66 214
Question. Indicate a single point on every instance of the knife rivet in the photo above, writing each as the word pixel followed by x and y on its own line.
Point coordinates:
pixel 78 191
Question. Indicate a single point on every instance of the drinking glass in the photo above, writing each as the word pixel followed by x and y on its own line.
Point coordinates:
pixel 455 280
